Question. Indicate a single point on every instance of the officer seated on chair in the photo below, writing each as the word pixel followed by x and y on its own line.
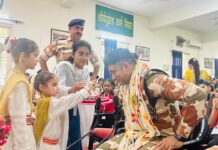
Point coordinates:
pixel 152 118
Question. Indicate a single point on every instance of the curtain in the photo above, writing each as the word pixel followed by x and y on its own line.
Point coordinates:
pixel 216 67
pixel 109 46
pixel 177 64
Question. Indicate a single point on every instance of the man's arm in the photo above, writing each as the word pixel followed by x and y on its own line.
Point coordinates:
pixel 191 95
pixel 43 63
pixel 49 51
pixel 213 114
pixel 95 63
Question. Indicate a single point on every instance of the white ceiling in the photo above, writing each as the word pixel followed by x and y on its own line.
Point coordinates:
pixel 147 8
pixel 200 16
pixel 202 24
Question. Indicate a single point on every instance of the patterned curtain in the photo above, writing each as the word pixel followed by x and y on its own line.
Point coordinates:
pixel 177 64
pixel 109 46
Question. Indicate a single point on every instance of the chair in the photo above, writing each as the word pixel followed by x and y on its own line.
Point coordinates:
pixel 102 130
pixel 195 140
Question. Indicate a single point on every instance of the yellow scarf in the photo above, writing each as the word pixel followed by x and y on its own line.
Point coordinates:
pixel 139 126
pixel 15 78
pixel 41 117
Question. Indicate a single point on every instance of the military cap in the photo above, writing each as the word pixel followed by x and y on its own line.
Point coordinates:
pixel 79 22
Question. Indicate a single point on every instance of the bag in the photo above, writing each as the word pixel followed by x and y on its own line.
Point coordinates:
pixel 152 100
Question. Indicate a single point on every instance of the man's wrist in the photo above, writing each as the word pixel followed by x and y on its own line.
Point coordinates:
pixel 179 138
pixel 44 57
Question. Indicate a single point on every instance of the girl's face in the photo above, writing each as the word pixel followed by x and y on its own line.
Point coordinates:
pixel 51 89
pixel 190 66
pixel 81 57
pixel 107 87
pixel 30 60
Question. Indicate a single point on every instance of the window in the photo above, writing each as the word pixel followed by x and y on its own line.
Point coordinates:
pixel 5 31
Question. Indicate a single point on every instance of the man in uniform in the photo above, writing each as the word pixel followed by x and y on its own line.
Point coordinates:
pixel 62 48
pixel 152 118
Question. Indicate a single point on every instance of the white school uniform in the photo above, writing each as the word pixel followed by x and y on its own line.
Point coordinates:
pixel 21 136
pixel 54 128
pixel 68 75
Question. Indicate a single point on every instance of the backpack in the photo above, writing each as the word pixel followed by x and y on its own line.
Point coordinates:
pixel 152 100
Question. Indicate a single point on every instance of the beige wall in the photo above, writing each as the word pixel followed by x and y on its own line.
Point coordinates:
pixel 42 15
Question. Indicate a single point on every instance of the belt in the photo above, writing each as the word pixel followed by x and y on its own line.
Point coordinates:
pixel 50 141
pixel 29 120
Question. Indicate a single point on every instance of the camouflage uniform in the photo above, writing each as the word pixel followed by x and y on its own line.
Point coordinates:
pixel 61 46
pixel 64 47
pixel 170 119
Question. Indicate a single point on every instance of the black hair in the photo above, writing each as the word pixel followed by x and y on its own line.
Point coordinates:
pixel 23 45
pixel 119 55
pixel 194 62
pixel 201 81
pixel 76 45
pixel 111 82
pixel 90 74
pixel 42 78
pixel 6 40
pixel 27 74
pixel 39 71
pixel 100 79
pixel 135 55
pixel 204 82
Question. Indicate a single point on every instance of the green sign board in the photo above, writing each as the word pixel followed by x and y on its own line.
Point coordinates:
pixel 113 21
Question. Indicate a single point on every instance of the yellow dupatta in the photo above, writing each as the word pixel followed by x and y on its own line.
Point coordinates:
pixel 41 117
pixel 139 126
pixel 15 78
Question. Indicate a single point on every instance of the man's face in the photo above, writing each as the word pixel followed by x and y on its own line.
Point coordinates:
pixel 76 32
pixel 205 88
pixel 121 72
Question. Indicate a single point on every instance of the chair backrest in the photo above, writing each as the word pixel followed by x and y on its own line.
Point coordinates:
pixel 106 120
pixel 119 128
pixel 198 134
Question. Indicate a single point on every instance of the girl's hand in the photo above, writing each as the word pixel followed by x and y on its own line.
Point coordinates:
pixel 51 50
pixel 91 85
pixel 76 87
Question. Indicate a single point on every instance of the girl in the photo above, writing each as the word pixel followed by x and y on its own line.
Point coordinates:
pixel 194 73
pixel 75 72
pixel 16 97
pixel 107 93
pixel 48 123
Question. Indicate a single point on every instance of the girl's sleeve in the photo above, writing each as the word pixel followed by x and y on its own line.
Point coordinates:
pixel 62 71
pixel 58 106
pixel 17 107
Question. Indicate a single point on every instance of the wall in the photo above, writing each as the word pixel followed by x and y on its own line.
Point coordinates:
pixel 210 51
pixel 39 17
